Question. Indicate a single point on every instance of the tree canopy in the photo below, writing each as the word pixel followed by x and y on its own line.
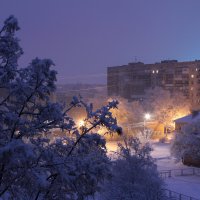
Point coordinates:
pixel 34 164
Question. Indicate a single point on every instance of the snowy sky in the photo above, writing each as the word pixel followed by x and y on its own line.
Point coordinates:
pixel 83 37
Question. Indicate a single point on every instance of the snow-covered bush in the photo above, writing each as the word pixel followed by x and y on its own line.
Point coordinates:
pixel 34 164
pixel 135 174
pixel 186 145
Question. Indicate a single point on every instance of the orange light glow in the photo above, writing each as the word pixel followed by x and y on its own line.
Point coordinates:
pixel 81 123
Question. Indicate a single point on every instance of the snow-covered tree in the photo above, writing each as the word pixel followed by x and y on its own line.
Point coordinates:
pixel 34 164
pixel 186 145
pixel 135 174
pixel 127 114
pixel 166 106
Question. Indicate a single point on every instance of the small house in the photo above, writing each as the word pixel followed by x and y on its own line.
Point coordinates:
pixel 186 120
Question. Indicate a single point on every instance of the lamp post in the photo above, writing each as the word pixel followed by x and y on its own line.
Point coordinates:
pixel 147 116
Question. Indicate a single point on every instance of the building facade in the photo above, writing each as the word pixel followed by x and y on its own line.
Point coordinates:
pixel 133 80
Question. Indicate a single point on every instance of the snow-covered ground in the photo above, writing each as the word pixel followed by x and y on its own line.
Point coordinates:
pixel 187 185
pixel 164 161
pixel 111 146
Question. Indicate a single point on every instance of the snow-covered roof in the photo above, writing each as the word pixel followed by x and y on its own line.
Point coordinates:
pixel 188 119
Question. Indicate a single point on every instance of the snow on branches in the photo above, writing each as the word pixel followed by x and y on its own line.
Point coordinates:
pixel 34 163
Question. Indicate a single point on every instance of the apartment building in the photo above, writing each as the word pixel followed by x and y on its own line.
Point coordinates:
pixel 133 80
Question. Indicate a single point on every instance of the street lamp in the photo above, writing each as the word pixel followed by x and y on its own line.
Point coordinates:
pixel 147 116
pixel 81 123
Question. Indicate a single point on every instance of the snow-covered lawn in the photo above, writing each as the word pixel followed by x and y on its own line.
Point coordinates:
pixel 164 161
pixel 111 146
pixel 187 185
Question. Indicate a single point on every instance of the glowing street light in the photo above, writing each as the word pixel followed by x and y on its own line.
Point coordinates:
pixel 81 123
pixel 147 116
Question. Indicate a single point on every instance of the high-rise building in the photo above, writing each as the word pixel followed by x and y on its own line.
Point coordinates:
pixel 133 80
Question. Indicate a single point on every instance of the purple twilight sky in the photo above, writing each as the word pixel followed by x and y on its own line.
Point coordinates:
pixel 83 37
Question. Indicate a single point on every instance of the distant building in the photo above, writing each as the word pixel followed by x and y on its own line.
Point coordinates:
pixel 133 80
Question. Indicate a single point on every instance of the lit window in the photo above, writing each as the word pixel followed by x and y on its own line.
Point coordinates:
pixel 196 69
pixel 157 71
pixel 192 76
pixel 153 71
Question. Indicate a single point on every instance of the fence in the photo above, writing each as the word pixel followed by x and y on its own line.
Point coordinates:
pixel 180 172
pixel 171 195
